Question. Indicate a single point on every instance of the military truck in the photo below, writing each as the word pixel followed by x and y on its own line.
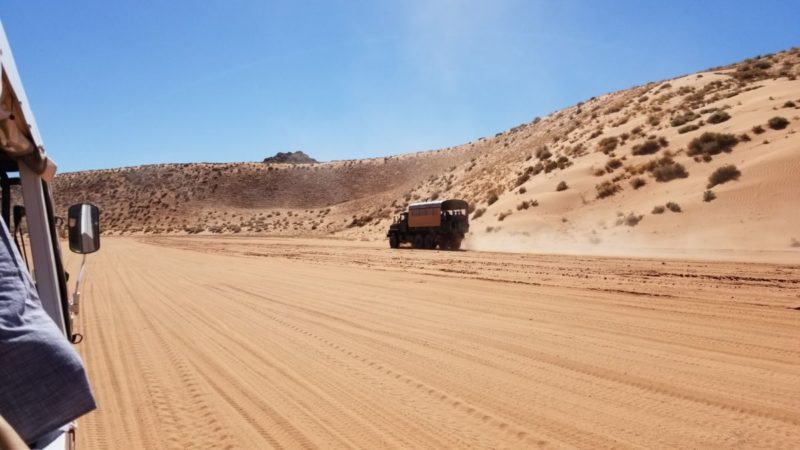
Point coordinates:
pixel 429 225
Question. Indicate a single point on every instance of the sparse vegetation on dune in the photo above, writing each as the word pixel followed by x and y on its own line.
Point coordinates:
pixel 723 175
pixel 709 144
pixel 778 123
pixel 643 136
pixel 607 189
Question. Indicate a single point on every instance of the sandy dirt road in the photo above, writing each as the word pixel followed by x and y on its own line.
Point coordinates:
pixel 256 343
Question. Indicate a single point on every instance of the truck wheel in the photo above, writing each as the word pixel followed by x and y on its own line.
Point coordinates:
pixel 455 244
pixel 430 242
pixel 418 242
pixel 394 241
pixel 444 243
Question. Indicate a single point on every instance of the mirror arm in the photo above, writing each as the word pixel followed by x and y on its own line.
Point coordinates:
pixel 76 296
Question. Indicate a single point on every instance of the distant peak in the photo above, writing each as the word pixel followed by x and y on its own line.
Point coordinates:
pixel 297 157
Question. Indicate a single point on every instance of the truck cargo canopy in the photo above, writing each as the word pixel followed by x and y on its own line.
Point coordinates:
pixel 441 204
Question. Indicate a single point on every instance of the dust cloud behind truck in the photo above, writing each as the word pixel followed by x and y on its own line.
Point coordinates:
pixel 429 225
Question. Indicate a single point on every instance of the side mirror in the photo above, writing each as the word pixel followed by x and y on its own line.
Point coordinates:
pixel 83 221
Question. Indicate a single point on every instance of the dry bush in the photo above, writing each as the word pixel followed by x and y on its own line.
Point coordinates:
pixel 562 186
pixel 688 128
pixel 613 164
pixel 683 119
pixel 478 212
pixel 744 137
pixel 607 189
pixel 658 209
pixel 674 207
pixel 527 204
pixel 543 153
pixel 502 216
pixel 522 190
pixel 608 144
pixel 778 123
pixel 789 104
pixel 491 198
pixel 650 146
pixel 723 175
pixel 632 219
pixel 711 144
pixel 638 182
pixel 709 196
pixel 758 129
pixel 718 117
pixel 665 169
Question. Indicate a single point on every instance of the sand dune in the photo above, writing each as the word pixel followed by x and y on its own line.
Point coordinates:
pixel 252 343
pixel 502 175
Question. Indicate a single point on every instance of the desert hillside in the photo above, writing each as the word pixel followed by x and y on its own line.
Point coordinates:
pixel 707 160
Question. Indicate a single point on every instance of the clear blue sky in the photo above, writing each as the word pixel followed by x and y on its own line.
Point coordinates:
pixel 117 83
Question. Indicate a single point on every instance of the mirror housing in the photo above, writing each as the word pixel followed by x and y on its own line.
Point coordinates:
pixel 83 221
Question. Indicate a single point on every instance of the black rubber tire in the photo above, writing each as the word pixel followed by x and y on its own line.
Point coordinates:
pixel 394 241
pixel 419 242
pixel 444 244
pixel 455 244
pixel 430 242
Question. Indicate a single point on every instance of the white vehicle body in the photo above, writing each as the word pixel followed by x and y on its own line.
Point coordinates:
pixel 46 264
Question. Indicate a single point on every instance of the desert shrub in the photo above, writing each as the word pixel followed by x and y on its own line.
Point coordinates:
pixel 723 175
pixel 638 182
pixel 537 169
pixel 491 198
pixel 709 196
pixel 478 212
pixel 524 177
pixel 674 207
pixel 599 172
pixel 711 144
pixel 744 137
pixel 665 169
pixel 658 209
pixel 527 204
pixel 613 164
pixel 789 104
pixel 758 129
pixel 522 190
pixel 563 162
pixel 683 119
pixel 607 189
pixel 688 128
pixel 718 117
pixel 778 123
pixel 543 153
pixel 562 186
pixel 632 219
pixel 550 166
pixel 502 216
pixel 608 144
pixel 650 146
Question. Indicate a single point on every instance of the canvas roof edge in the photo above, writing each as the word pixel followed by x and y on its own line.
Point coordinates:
pixel 443 204
pixel 36 158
